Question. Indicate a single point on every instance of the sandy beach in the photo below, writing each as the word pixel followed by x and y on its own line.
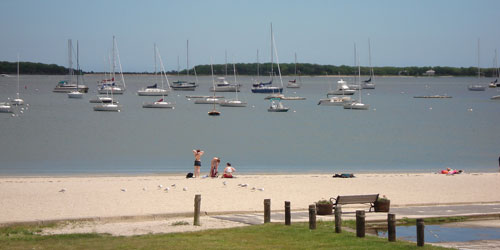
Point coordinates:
pixel 28 199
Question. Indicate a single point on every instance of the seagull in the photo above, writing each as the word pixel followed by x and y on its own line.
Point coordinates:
pixel 185 189
pixel 224 182
pixel 62 190
pixel 254 188
pixel 261 189
pixel 166 189
pixel 244 185
pixel 124 189
pixel 144 188
pixel 173 185
pixel 160 186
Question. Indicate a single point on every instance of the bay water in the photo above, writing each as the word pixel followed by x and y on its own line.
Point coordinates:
pixel 399 133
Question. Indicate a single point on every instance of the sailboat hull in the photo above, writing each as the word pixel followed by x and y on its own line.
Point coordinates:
pixel 164 105
pixel 108 107
pixel 267 90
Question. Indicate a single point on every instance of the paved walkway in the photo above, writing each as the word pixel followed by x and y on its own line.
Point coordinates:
pixel 400 212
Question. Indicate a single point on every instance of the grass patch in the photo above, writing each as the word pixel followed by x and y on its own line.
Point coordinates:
pixel 267 236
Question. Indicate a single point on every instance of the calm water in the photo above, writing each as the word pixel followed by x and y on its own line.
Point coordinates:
pixel 58 135
pixel 444 233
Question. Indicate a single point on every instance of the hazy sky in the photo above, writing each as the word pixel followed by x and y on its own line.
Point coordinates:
pixel 402 33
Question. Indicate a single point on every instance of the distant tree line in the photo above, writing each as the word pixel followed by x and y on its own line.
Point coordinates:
pixel 316 69
pixel 32 68
pixel 265 69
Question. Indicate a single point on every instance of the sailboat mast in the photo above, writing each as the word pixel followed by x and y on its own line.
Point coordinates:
pixel 258 64
pixel 77 64
pixel 272 38
pixel 178 67
pixel 295 63
pixel 277 60
pixel 113 62
pixel 355 80
pixel 370 58
pixel 478 58
pixel 17 76
pixel 187 57
pixel 154 55
pixel 359 79
pixel 235 81
pixel 225 60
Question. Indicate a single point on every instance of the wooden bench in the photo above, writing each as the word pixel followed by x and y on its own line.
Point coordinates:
pixel 355 199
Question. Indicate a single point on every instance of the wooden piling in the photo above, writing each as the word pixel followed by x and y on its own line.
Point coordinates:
pixel 338 219
pixel 267 210
pixel 288 216
pixel 420 232
pixel 360 223
pixel 197 205
pixel 312 216
pixel 391 227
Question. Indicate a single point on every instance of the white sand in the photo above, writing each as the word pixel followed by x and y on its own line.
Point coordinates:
pixel 39 199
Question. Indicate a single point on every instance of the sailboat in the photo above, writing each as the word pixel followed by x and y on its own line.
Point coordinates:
pixel 214 111
pixel 112 85
pixel 477 87
pixel 17 101
pixel 234 102
pixel 293 83
pixel 276 105
pixel 153 90
pixel 496 74
pixel 265 87
pixel 357 104
pixel 76 94
pixel 185 85
pixel 5 107
pixel 160 103
pixel 370 83
pixel 66 86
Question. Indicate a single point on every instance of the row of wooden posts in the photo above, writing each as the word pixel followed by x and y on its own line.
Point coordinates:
pixel 360 220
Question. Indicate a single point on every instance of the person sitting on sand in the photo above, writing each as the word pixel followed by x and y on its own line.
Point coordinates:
pixel 454 171
pixel 214 167
pixel 228 171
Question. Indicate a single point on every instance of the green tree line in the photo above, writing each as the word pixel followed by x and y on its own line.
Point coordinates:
pixel 31 68
pixel 316 69
pixel 265 69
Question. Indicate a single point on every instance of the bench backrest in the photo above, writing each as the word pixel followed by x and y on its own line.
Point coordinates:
pixel 356 199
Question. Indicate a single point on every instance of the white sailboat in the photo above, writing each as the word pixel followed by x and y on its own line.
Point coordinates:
pixel 234 102
pixel 69 85
pixel 112 85
pixel 370 83
pixel 276 105
pixel 5 107
pixel 214 111
pixel 180 85
pixel 357 104
pixel 477 87
pixel 266 87
pixel 17 101
pixel 160 103
pixel 153 90
pixel 76 94
pixel 111 106
pixel 342 89
pixel 293 83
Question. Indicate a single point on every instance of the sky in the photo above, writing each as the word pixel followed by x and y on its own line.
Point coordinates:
pixel 402 32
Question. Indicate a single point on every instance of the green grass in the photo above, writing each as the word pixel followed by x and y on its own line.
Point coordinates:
pixel 268 236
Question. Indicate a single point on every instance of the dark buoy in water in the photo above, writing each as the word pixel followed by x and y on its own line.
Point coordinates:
pixel 214 113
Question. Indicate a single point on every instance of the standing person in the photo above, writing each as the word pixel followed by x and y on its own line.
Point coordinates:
pixel 214 167
pixel 228 171
pixel 197 162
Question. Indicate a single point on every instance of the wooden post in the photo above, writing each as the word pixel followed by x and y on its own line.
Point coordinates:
pixel 360 223
pixel 197 204
pixel 338 219
pixel 420 232
pixel 288 216
pixel 267 210
pixel 312 216
pixel 391 227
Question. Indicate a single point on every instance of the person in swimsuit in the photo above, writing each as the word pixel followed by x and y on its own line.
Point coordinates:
pixel 214 167
pixel 197 162
pixel 228 171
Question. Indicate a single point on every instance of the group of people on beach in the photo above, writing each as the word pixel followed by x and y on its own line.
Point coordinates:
pixel 214 166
